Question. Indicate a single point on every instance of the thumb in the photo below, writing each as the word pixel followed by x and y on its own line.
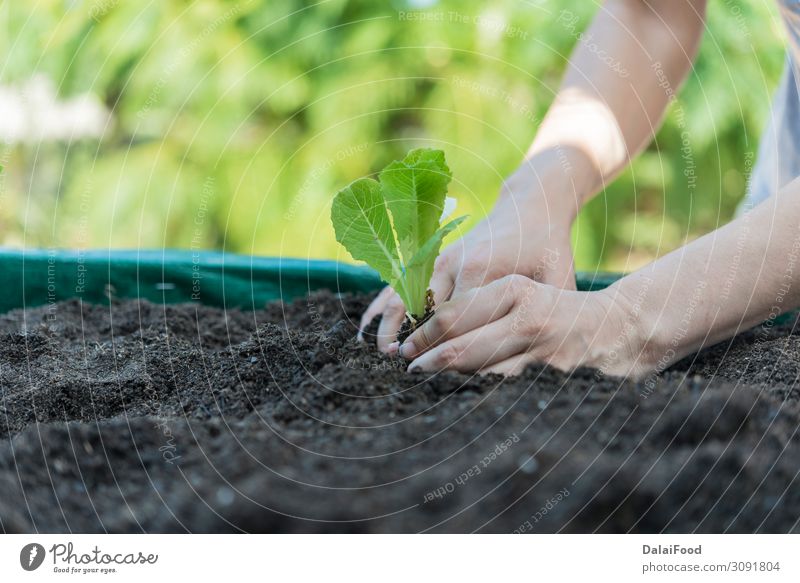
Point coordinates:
pixel 560 272
pixel 441 286
pixel 472 275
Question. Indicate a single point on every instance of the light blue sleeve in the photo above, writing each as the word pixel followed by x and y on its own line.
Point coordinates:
pixel 778 160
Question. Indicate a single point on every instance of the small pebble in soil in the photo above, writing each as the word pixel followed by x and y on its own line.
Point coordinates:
pixel 225 496
pixel 527 464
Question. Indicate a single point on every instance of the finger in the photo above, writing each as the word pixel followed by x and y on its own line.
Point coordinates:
pixel 470 277
pixel 474 350
pixel 376 307
pixel 558 269
pixel 472 269
pixel 509 367
pixel 441 286
pixel 562 277
pixel 455 318
pixel 571 281
pixel 393 315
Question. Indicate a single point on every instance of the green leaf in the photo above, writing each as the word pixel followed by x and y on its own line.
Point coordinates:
pixel 362 225
pixel 393 224
pixel 420 269
pixel 415 189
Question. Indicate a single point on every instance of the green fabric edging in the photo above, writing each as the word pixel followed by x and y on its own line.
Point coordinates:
pixel 34 277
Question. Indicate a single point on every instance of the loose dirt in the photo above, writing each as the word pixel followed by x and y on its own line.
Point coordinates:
pixel 142 417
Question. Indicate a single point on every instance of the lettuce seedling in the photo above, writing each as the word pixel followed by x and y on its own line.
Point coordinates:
pixel 394 224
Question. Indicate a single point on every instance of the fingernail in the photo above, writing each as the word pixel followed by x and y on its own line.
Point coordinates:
pixel 360 336
pixel 407 349
pixel 392 348
pixel 413 367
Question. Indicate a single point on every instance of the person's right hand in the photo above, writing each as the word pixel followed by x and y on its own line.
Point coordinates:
pixel 521 236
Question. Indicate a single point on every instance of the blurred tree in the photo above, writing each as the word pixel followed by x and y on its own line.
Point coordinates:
pixel 234 122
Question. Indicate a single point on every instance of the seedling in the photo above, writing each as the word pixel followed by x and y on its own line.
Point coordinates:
pixel 394 225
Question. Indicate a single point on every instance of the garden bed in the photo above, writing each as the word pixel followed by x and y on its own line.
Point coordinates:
pixel 146 417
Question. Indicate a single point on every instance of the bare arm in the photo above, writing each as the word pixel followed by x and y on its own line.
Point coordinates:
pixel 723 283
pixel 727 281
pixel 618 83
pixel 621 76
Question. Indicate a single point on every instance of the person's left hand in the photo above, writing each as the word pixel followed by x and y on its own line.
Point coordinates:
pixel 514 321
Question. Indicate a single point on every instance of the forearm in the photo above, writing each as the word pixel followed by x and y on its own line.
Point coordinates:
pixel 718 285
pixel 621 76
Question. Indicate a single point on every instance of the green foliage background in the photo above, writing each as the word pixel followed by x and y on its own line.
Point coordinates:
pixel 236 122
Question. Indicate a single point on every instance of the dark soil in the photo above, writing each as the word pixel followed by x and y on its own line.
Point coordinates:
pixel 142 417
pixel 408 326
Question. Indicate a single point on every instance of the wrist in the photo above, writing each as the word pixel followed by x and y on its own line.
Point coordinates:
pixel 552 183
pixel 655 338
pixel 624 347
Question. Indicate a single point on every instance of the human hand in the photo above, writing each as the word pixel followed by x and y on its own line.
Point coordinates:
pixel 515 321
pixel 521 236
